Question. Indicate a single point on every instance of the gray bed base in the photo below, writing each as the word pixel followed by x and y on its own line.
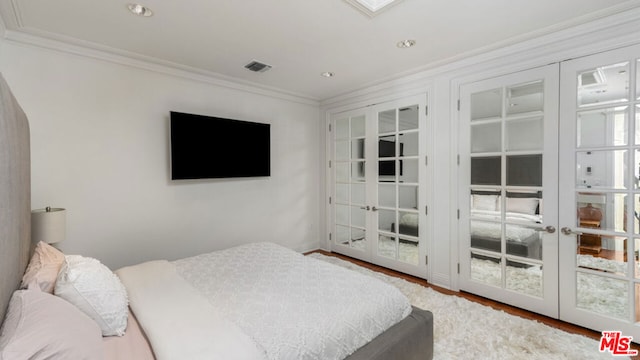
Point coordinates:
pixel 530 248
pixel 410 339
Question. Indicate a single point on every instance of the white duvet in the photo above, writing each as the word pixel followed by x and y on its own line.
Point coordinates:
pixel 409 219
pixel 488 229
pixel 290 306
pixel 178 321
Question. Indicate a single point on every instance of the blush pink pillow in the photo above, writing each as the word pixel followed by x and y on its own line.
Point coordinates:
pixel 43 268
pixel 41 326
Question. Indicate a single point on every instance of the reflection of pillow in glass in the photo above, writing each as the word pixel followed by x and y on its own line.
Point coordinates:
pixel 522 205
pixel 485 202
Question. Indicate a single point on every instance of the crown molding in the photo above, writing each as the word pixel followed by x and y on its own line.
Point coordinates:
pixel 58 43
pixel 549 43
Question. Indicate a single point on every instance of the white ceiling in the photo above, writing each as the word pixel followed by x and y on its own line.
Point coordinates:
pixel 302 38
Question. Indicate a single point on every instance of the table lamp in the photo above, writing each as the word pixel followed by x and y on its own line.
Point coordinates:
pixel 48 225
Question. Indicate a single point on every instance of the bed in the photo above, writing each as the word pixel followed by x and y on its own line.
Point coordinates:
pixel 522 218
pixel 172 304
pixel 408 224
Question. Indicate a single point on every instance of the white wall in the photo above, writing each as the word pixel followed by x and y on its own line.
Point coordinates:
pixel 99 140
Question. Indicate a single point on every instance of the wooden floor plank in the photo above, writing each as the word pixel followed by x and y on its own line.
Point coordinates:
pixel 571 328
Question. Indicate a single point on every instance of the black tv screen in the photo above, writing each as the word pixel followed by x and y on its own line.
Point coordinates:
pixel 387 148
pixel 206 147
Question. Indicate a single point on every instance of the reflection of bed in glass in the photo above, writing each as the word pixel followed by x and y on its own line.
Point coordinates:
pixel 407 247
pixel 521 229
pixel 408 224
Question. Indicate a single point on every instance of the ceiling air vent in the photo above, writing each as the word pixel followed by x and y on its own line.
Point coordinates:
pixel 592 78
pixel 257 66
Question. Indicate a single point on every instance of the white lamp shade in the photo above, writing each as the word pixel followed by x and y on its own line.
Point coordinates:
pixel 48 225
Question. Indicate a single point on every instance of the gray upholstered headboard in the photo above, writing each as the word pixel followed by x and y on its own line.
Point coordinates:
pixel 15 194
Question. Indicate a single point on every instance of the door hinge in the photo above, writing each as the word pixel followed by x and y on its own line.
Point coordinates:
pixel 458 268
pixel 329 127
pixel 426 259
pixel 426 111
pixel 458 214
pixel 458 159
pixel 426 160
pixel 329 200
pixel 426 210
pixel 458 104
pixel 329 236
pixel 329 164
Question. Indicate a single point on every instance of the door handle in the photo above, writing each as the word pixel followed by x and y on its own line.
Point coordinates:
pixel 549 228
pixel 374 208
pixel 365 207
pixel 567 231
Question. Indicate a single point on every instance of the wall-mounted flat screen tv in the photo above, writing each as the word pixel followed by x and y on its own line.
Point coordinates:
pixel 207 147
pixel 386 149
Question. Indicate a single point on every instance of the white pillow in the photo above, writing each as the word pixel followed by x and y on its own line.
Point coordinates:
pixel 41 326
pixel 95 290
pixel 522 205
pixel 485 202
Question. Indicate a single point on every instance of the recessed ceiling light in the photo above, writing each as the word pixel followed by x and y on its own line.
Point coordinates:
pixel 406 44
pixel 327 74
pixel 140 10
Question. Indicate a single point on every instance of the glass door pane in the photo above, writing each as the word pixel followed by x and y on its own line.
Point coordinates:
pixel 602 161
pixel 350 207
pixel 509 188
pixel 379 184
pixel 398 184
pixel 600 199
pixel 506 188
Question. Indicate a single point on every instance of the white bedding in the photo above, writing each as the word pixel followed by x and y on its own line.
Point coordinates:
pixel 510 216
pixel 178 321
pixel 293 306
pixel 409 219
pixel 289 305
pixel 513 232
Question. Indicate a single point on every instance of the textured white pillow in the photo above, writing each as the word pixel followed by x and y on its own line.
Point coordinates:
pixel 95 290
pixel 522 205
pixel 485 202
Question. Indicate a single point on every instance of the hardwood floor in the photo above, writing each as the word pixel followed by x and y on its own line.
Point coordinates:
pixel 494 304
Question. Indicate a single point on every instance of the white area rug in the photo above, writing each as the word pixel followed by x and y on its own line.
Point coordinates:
pixel 387 247
pixel 595 293
pixel 468 330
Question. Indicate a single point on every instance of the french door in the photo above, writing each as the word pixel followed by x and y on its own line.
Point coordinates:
pixel 379 196
pixel 508 189
pixel 600 191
